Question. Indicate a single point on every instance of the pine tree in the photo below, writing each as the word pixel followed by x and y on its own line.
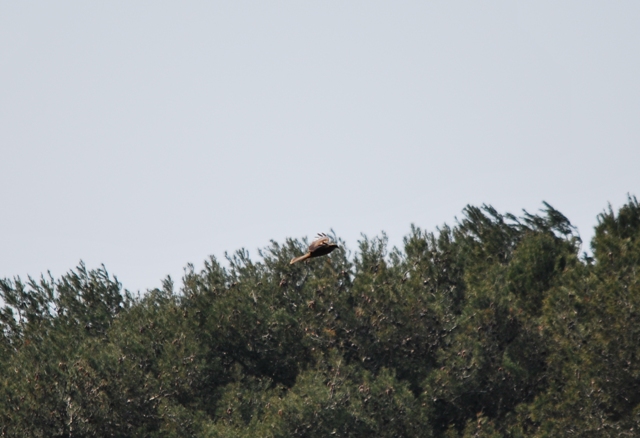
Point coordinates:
pixel 495 326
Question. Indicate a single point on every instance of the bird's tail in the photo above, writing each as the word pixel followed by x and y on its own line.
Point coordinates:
pixel 301 258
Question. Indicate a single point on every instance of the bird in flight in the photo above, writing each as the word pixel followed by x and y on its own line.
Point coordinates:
pixel 319 247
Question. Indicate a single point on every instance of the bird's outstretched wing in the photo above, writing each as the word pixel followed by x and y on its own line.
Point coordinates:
pixel 299 259
pixel 319 247
pixel 321 240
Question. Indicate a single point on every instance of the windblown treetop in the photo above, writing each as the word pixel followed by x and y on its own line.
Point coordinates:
pixel 494 327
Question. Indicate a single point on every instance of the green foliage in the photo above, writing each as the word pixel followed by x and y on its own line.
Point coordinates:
pixel 494 327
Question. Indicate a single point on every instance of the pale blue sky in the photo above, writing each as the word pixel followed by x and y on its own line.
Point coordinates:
pixel 145 136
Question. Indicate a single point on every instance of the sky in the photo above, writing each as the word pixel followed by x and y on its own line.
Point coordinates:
pixel 148 135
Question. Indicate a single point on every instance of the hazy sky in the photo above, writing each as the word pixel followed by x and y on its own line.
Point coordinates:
pixel 145 136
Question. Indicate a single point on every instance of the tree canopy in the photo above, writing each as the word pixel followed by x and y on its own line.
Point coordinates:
pixel 496 326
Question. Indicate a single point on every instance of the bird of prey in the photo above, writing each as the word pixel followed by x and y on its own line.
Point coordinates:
pixel 319 247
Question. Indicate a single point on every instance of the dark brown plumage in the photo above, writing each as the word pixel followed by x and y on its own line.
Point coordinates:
pixel 319 247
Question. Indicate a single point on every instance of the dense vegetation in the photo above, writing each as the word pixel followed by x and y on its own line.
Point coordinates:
pixel 494 327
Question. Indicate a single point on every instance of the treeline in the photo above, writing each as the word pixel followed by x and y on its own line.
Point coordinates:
pixel 497 326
